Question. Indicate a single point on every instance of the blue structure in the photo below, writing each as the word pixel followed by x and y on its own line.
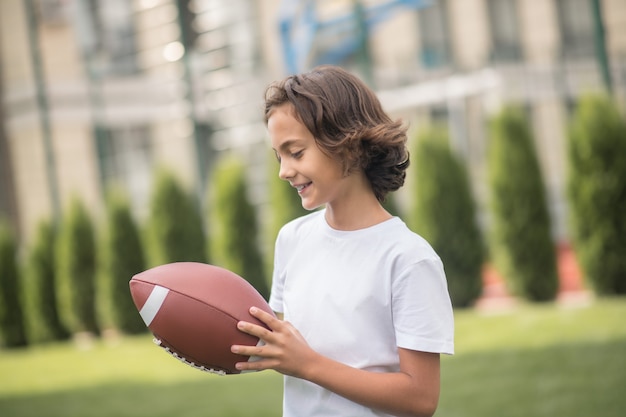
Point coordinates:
pixel 308 40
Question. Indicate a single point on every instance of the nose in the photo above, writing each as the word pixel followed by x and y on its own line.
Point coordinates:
pixel 286 171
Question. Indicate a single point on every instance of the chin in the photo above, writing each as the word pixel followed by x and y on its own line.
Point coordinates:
pixel 310 206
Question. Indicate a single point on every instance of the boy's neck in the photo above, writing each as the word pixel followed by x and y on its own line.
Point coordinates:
pixel 356 215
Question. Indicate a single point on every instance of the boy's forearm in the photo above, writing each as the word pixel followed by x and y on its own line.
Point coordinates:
pixel 398 393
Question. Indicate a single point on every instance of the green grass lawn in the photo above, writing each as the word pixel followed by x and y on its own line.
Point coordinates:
pixel 532 361
pixel 538 361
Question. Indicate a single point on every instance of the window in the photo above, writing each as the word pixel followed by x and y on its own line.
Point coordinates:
pixel 504 26
pixel 434 35
pixel 53 12
pixel 439 115
pixel 576 25
pixel 189 35
pixel 110 24
pixel 126 158
pixel 227 34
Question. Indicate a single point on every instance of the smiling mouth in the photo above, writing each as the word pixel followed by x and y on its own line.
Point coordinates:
pixel 301 187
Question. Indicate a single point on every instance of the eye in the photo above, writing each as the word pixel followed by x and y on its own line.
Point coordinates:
pixel 277 156
pixel 297 155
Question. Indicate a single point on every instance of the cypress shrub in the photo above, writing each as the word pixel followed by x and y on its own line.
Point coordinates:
pixel 43 314
pixel 597 192
pixel 123 258
pixel 235 239
pixel 12 329
pixel 445 215
pixel 522 242
pixel 285 205
pixel 76 269
pixel 391 205
pixel 174 228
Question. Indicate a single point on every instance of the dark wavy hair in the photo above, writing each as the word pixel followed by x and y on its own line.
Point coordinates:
pixel 348 123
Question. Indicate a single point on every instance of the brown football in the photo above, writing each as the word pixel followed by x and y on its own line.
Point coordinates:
pixel 193 309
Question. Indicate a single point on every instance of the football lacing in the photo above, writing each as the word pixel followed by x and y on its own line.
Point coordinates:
pixel 184 360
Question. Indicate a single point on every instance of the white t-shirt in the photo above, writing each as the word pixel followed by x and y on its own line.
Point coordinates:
pixel 356 296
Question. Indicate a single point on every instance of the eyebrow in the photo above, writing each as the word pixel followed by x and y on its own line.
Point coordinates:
pixel 286 144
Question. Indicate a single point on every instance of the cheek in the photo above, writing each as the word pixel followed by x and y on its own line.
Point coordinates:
pixel 332 167
pixel 335 170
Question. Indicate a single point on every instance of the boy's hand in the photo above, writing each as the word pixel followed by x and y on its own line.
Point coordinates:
pixel 284 349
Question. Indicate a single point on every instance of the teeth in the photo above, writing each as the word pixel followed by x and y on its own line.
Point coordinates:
pixel 299 187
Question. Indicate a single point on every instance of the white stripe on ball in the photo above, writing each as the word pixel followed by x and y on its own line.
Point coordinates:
pixel 153 304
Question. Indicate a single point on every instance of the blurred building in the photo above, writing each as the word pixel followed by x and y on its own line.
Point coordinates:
pixel 95 91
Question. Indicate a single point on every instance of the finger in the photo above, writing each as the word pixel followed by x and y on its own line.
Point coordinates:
pixel 254 330
pixel 258 365
pixel 246 350
pixel 269 319
pixel 257 361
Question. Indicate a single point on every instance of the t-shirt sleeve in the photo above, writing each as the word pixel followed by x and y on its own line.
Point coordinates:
pixel 422 310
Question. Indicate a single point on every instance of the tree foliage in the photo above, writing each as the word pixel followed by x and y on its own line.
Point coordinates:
pixel 41 291
pixel 12 329
pixel 391 205
pixel 235 231
pixel 285 205
pixel 521 236
pixel 174 230
pixel 445 215
pixel 123 257
pixel 76 269
pixel 597 192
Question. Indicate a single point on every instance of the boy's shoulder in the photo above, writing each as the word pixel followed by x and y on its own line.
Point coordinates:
pixel 297 226
pixel 407 241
